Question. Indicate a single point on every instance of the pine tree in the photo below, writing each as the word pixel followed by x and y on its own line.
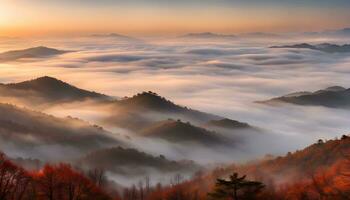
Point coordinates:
pixel 236 188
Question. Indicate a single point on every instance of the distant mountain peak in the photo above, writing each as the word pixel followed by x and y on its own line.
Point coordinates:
pixel 176 123
pixel 301 46
pixel 146 108
pixel 335 88
pixel 344 31
pixel 40 83
pixel 324 47
pixel 179 131
pixel 116 36
pixel 47 79
pixel 259 35
pixel 207 35
pixel 334 97
pixel 202 34
pixel 110 35
pixel 53 89
pixel 227 123
pixel 41 49
pixel 151 100
pixel 34 52
pixel 296 94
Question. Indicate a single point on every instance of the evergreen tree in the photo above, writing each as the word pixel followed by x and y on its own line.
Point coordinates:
pixel 236 188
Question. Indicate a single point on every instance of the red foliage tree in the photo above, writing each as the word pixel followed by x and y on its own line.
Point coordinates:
pixel 53 182
pixel 61 182
pixel 14 180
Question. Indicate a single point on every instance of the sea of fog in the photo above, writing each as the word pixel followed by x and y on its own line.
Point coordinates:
pixel 223 77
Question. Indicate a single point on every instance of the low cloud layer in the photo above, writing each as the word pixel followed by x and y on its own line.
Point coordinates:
pixel 223 78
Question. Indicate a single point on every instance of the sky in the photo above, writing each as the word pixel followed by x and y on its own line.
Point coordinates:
pixel 55 17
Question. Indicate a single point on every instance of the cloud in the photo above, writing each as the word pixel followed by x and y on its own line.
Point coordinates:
pixel 115 58
pixel 224 79
pixel 208 52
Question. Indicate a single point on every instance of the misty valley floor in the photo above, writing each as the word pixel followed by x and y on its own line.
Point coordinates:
pixel 163 110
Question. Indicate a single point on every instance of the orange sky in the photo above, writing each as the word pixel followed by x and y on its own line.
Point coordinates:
pixel 18 18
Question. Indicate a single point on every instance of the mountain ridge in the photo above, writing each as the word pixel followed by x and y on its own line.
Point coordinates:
pixel 26 131
pixel 124 161
pixel 324 47
pixel 178 131
pixel 34 52
pixel 207 35
pixel 49 90
pixel 334 97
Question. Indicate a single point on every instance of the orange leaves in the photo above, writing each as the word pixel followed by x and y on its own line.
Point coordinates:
pixel 62 182
pixel 321 171
pixel 13 180
pixel 53 182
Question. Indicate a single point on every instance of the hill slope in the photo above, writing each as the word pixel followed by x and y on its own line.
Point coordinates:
pixel 131 162
pixel 334 97
pixel 227 124
pixel 325 47
pixel 309 160
pixel 146 108
pixel 35 52
pixel 207 35
pixel 46 90
pixel 320 171
pixel 177 131
pixel 135 113
pixel 27 133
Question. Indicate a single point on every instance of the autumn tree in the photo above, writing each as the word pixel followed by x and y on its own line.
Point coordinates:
pixel 97 176
pixel 61 182
pixel 236 188
pixel 14 180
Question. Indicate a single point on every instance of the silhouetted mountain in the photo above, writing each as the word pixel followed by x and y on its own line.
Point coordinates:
pixel 46 90
pixel 227 123
pixel 335 97
pixel 35 52
pixel 111 35
pixel 259 35
pixel 146 108
pixel 345 32
pixel 340 33
pixel 180 132
pixel 325 47
pixel 207 35
pixel 114 36
pixel 131 162
pixel 152 101
pixel 134 113
pixel 28 133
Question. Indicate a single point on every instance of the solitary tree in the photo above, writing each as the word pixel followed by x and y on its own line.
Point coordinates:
pixel 236 188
